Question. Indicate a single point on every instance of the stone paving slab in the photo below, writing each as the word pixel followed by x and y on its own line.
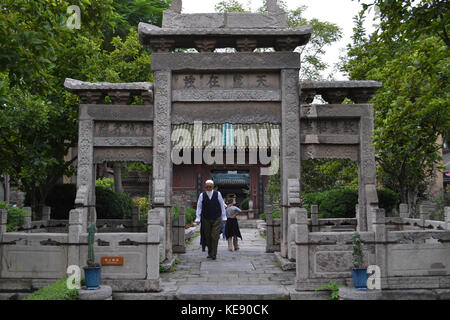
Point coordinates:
pixel 232 292
pixel 227 266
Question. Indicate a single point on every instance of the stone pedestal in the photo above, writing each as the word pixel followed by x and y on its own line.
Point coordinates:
pixel 104 293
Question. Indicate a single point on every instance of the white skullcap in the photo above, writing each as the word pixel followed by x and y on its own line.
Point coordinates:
pixel 209 182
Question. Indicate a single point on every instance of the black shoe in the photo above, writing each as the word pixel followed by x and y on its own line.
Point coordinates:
pixel 214 257
pixel 210 257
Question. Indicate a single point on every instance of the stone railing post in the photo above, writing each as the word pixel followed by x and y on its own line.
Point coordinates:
pixel 75 229
pixel 46 213
pixel 425 212
pixel 404 210
pixel 135 216
pixel 315 227
pixel 3 222
pixel 178 237
pixel 27 222
pixel 302 247
pixel 153 239
pixel 378 217
pixel 269 232
pixel 447 218
pixel 291 233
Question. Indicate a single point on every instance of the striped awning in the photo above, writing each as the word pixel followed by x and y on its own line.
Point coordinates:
pixel 226 135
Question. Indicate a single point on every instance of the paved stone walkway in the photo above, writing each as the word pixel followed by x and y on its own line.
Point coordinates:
pixel 247 271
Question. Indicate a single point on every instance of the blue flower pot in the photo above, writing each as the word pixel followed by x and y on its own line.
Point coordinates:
pixel 92 277
pixel 359 277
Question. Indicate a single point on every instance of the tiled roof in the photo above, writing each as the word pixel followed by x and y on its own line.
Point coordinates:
pixel 240 136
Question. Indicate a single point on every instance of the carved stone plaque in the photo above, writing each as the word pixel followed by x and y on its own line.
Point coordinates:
pixel 123 129
pixel 227 81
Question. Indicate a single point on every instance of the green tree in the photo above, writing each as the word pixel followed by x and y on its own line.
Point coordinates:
pixel 38 117
pixel 411 110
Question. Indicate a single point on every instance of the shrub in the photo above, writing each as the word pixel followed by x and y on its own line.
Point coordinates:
pixel 107 183
pixel 387 199
pixel 61 199
pixel 144 205
pixel 276 214
pixel 16 217
pixel 339 203
pixel 175 213
pixel 55 291
pixel 112 205
pixel 244 204
pixel 190 215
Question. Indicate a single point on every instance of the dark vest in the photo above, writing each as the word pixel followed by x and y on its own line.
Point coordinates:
pixel 211 209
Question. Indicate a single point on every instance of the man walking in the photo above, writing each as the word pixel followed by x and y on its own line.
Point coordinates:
pixel 211 213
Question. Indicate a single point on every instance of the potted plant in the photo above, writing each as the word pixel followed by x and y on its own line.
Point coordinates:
pixel 359 274
pixel 92 271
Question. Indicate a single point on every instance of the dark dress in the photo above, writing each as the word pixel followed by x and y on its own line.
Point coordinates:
pixel 232 225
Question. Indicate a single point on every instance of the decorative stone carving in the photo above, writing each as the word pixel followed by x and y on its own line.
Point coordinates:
pixel 120 97
pixel 294 192
pixel 246 45
pixel 162 45
pixel 205 45
pixel 286 43
pixel 91 97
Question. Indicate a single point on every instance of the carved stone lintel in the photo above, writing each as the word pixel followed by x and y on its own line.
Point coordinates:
pixel 246 45
pixel 90 97
pixel 286 44
pixel 162 45
pixel 205 45
pixel 120 97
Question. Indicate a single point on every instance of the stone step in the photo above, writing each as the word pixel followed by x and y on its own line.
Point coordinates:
pixel 232 292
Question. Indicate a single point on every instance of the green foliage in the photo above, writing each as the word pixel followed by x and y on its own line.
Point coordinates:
pixel 16 217
pixel 38 117
pixel 175 213
pixel 107 183
pixel 333 287
pixel 409 53
pixel 336 203
pixel 357 255
pixel 61 199
pixel 190 215
pixel 229 6
pixel 388 200
pixel 340 203
pixel 276 214
pixel 325 174
pixel 441 200
pixel 144 205
pixel 55 291
pixel 244 203
pixel 323 35
pixel 112 205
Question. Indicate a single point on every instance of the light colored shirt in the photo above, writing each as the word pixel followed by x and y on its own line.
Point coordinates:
pixel 232 210
pixel 199 205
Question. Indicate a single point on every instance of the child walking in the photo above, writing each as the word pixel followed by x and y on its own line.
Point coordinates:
pixel 232 231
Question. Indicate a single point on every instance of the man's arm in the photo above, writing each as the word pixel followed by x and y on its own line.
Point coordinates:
pixel 224 214
pixel 199 208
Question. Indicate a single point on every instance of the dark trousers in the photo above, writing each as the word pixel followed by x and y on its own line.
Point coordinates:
pixel 211 229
